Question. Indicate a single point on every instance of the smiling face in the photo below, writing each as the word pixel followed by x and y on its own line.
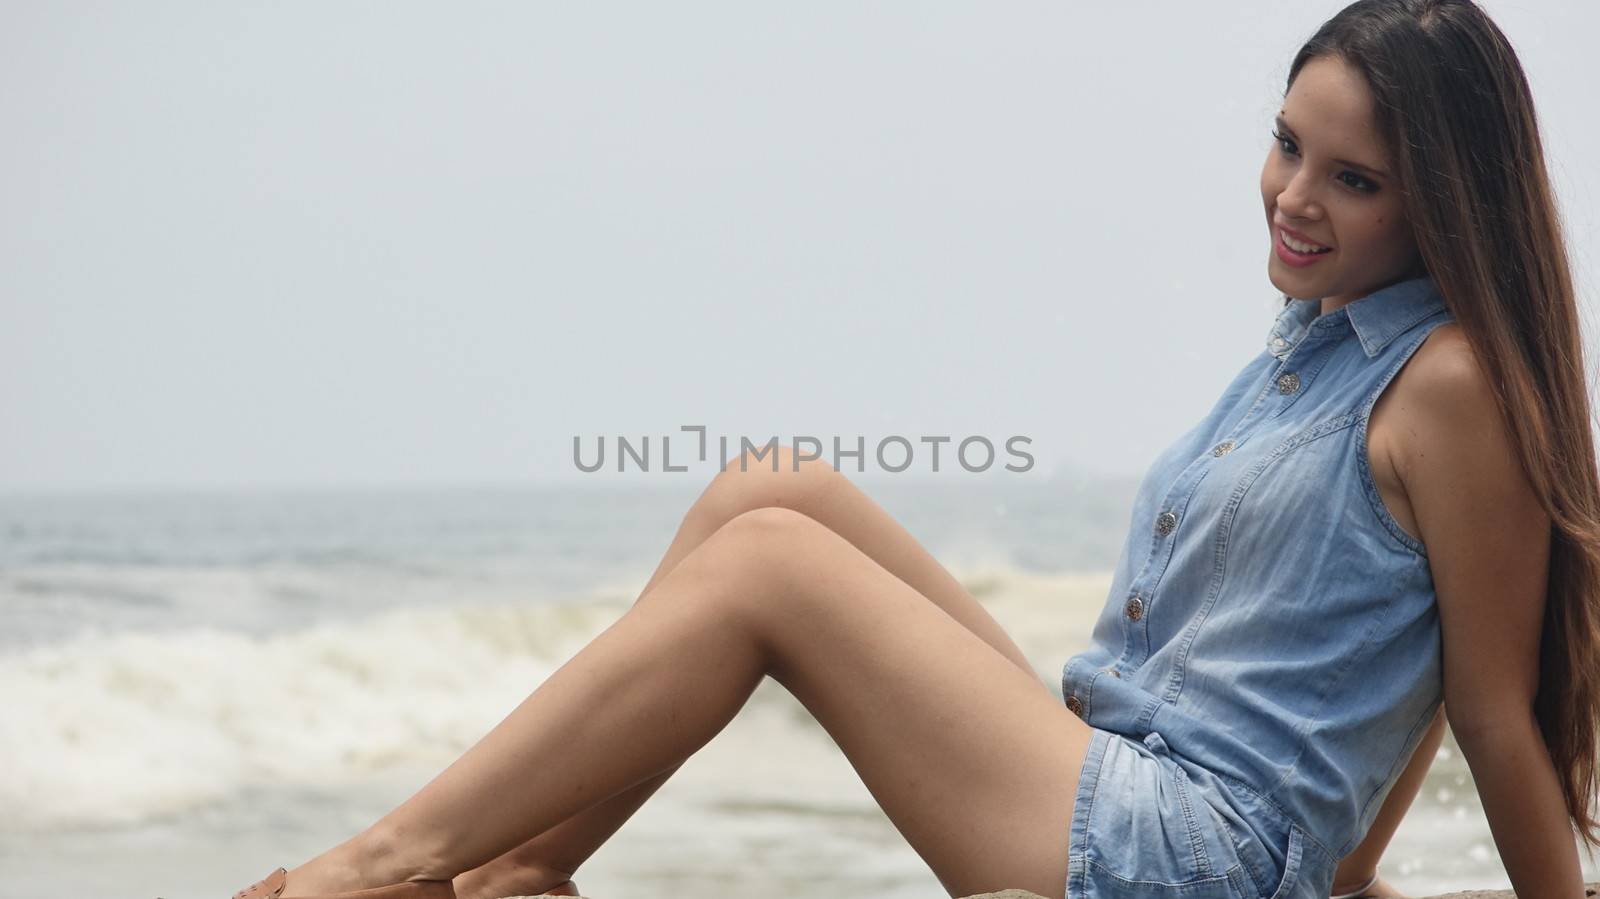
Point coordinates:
pixel 1327 179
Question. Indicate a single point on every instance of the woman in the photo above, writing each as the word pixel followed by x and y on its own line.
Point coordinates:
pixel 1223 736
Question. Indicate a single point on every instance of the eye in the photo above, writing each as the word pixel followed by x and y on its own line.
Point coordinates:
pixel 1365 185
pixel 1359 183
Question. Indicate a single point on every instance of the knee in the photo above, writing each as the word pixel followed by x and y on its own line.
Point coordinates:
pixel 778 477
pixel 769 526
pixel 747 562
pixel 770 542
pixel 758 569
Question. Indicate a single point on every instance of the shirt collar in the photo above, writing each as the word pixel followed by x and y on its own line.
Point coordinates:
pixel 1377 318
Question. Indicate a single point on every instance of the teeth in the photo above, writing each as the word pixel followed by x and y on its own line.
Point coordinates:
pixel 1297 246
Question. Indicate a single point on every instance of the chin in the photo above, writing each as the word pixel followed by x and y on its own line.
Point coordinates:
pixel 1288 286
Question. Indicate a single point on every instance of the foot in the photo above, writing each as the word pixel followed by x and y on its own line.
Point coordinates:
pixel 356 864
pixel 334 871
pixel 499 881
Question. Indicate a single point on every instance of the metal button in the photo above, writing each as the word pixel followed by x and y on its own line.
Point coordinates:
pixel 1222 448
pixel 1165 522
pixel 1134 608
pixel 1074 706
pixel 1288 382
pixel 1279 343
pixel 1114 672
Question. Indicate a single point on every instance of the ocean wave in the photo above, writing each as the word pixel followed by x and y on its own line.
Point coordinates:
pixel 124 728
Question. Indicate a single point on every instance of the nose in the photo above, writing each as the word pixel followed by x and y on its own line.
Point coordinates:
pixel 1296 200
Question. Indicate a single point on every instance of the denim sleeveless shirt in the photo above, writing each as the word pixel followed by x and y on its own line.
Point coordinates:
pixel 1269 621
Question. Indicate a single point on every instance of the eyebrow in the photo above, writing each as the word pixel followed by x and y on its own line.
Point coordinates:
pixel 1278 119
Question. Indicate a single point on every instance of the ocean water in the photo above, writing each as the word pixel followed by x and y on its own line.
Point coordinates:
pixel 199 687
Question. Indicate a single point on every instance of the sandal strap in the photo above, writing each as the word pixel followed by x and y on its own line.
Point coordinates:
pixel 266 888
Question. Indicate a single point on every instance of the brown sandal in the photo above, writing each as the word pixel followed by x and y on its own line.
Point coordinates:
pixel 270 886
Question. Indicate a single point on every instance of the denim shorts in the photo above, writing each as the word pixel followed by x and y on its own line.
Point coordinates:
pixel 1143 826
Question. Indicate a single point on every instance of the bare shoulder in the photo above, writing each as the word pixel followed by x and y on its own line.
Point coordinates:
pixel 1392 431
pixel 1444 400
pixel 1447 363
pixel 1453 453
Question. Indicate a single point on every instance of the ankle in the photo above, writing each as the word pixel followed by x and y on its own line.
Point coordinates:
pixel 389 857
pixel 534 862
pixel 545 875
pixel 503 877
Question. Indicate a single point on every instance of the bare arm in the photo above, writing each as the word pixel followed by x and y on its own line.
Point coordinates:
pixel 1361 864
pixel 1488 542
pixel 1523 802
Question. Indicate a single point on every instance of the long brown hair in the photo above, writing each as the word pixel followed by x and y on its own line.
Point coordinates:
pixel 1452 105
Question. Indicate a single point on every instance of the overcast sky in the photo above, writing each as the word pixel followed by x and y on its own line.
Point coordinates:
pixel 375 244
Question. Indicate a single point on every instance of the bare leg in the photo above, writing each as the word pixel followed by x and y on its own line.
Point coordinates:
pixel 819 492
pixel 974 760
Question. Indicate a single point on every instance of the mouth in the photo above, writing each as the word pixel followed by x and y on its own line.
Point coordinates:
pixel 1299 244
pixel 1287 252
